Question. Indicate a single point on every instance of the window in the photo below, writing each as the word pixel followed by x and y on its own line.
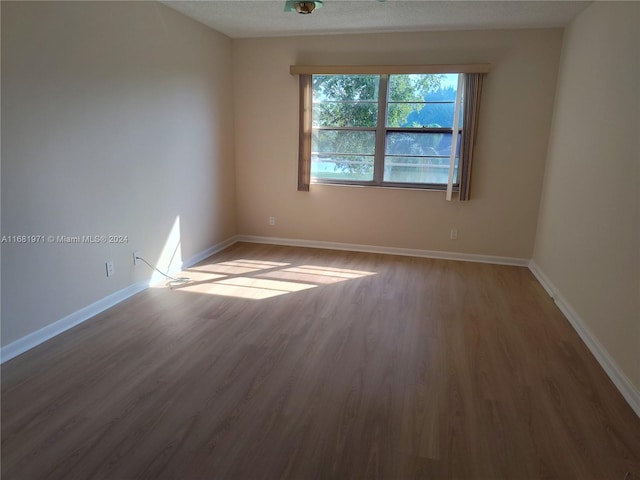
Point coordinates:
pixel 384 129
pixel 387 129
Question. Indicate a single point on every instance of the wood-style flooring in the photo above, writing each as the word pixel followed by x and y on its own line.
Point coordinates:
pixel 279 362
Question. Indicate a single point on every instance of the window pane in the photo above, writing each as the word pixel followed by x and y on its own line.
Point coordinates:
pixel 418 170
pixel 426 115
pixel 446 91
pixel 345 114
pixel 422 100
pixel 342 167
pixel 418 144
pixel 405 115
pixel 413 88
pixel 345 88
pixel 343 141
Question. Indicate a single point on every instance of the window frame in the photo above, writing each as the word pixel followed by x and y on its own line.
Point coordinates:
pixel 382 131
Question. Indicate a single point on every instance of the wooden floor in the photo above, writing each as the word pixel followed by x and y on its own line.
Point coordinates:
pixel 279 362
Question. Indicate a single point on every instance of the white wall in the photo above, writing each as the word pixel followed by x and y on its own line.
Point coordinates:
pixel 116 119
pixel 588 239
pixel 511 147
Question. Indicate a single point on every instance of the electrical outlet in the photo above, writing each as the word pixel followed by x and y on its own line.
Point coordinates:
pixel 110 269
pixel 272 221
pixel 454 234
pixel 136 255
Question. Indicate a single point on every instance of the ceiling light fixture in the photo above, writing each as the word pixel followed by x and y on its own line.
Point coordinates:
pixel 304 8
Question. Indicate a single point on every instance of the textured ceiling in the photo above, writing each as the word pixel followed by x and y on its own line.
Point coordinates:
pixel 266 18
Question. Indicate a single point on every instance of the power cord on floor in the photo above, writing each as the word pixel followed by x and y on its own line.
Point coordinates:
pixel 175 282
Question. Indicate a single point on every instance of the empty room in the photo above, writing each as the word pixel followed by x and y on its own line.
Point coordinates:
pixel 327 239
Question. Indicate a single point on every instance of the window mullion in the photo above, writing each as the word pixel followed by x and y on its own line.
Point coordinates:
pixel 381 132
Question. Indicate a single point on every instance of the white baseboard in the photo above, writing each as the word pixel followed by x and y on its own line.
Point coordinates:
pixel 619 379
pixel 198 257
pixel 40 336
pixel 408 252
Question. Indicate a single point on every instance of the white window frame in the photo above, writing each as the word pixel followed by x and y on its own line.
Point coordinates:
pixel 382 131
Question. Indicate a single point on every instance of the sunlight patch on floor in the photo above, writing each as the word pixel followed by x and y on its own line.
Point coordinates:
pixel 237 267
pixel 202 276
pixel 330 271
pixel 315 274
pixel 247 287
pixel 258 279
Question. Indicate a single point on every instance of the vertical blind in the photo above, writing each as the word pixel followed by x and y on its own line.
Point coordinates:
pixel 304 146
pixel 472 91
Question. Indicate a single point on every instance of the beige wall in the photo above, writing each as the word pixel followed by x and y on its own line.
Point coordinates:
pixel 116 119
pixel 588 241
pixel 511 147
